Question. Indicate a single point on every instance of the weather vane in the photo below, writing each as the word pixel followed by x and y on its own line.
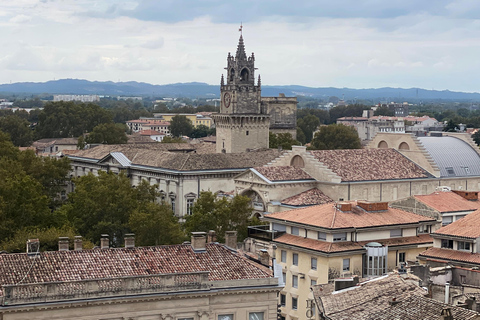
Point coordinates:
pixel 240 29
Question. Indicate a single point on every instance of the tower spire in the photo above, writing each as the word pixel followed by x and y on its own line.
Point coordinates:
pixel 241 55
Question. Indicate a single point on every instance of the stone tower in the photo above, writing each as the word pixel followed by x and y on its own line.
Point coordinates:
pixel 243 121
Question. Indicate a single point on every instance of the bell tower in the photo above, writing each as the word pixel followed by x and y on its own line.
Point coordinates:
pixel 242 122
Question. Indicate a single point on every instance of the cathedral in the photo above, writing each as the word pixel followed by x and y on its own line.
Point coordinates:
pixel 246 118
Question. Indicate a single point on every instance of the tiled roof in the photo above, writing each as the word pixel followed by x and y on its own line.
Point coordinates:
pixel 150 133
pixel 283 173
pixel 183 156
pixel 150 122
pixel 219 261
pixel 328 217
pixel 448 202
pixel 371 300
pixel 403 241
pixel 369 164
pixel 318 245
pixel 307 198
pixel 467 226
pixel 450 254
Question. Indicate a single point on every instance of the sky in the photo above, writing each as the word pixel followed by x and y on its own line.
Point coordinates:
pixel 343 43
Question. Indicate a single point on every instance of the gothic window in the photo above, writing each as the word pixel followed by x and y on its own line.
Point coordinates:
pixel 244 75
pixel 232 74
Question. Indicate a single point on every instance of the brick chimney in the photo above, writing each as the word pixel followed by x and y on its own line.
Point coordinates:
pixel 469 195
pixel 212 237
pixel 104 243
pixel 344 206
pixel 199 241
pixel 264 257
pixel 33 247
pixel 63 244
pixel 78 243
pixel 372 206
pixel 231 239
pixel 129 240
pixel 446 314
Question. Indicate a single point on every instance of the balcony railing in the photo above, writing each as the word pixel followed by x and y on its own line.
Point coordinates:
pixel 263 232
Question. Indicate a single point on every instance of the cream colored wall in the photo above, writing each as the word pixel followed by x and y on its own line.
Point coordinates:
pixel 196 306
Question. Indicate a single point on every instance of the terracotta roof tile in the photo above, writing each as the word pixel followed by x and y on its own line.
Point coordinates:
pixel 369 164
pixel 222 263
pixel 283 173
pixel 467 226
pixel 402 241
pixel 448 202
pixel 318 245
pixel 150 133
pixel 450 254
pixel 328 217
pixel 307 198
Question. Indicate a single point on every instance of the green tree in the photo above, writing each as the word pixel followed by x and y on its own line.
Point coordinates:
pixel 220 214
pixel 476 137
pixel 384 111
pixel 336 136
pixel 308 125
pixel 173 140
pixel 19 130
pixel 284 140
pixel 108 133
pixel 451 126
pixel 180 126
pixel 200 131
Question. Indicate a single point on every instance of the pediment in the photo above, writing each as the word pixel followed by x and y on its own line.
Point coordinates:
pixel 116 158
pixel 252 177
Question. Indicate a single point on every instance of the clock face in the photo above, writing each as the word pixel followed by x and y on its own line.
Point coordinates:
pixel 227 98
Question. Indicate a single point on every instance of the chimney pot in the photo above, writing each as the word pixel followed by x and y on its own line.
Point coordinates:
pixel 199 240
pixel 264 257
pixel 62 243
pixel 446 314
pixel 231 239
pixel 78 243
pixel 129 240
pixel 104 243
pixel 33 247
pixel 211 237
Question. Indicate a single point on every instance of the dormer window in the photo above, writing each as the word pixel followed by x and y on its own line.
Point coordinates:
pixel 461 245
pixel 340 236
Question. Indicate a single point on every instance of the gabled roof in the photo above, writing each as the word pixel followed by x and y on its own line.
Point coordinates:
pixel 445 152
pixel 150 133
pixel 329 217
pixel 121 159
pixel 219 261
pixel 307 198
pixel 451 255
pixel 448 202
pixel 369 164
pixel 283 173
pixel 466 227
pixel 371 300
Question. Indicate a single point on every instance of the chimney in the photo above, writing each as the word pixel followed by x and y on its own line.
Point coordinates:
pixel 344 206
pixel 77 243
pixel 447 292
pixel 198 241
pixel 212 237
pixel 104 243
pixel 372 206
pixel 33 247
pixel 446 314
pixel 129 240
pixel 264 257
pixel 62 243
pixel 469 195
pixel 231 239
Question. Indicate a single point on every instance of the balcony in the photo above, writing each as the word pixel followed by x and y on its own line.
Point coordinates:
pixel 263 232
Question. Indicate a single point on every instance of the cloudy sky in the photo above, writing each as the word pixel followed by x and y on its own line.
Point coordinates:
pixel 343 43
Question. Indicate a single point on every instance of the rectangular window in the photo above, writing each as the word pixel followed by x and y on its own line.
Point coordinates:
pixel 340 236
pixel 185 319
pixel 346 265
pixel 450 171
pixel 463 245
pixel 448 244
pixel 295 231
pixel 446 220
pixel 294 303
pixel 255 316
pixel 401 257
pixel 279 227
pixel 322 236
pixel 294 281
pixel 460 217
pixel 284 275
pixel 225 317
pixel 422 229
pixel 190 206
pixel 295 259
pixel 172 201
pixel 313 282
pixel 283 300
pixel 395 233
pixel 313 262
pixel 283 256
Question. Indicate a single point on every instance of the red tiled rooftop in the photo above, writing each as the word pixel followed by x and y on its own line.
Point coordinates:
pixel 467 227
pixel 219 261
pixel 401 241
pixel 150 133
pixel 318 245
pixel 448 202
pixel 450 254
pixel 283 173
pixel 307 198
pixel 369 164
pixel 328 217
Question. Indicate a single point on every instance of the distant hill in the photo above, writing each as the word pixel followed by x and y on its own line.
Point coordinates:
pixel 198 90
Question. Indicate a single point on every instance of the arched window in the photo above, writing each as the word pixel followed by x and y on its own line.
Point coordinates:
pixel 383 145
pixel 232 75
pixel 244 74
pixel 403 146
pixel 297 162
